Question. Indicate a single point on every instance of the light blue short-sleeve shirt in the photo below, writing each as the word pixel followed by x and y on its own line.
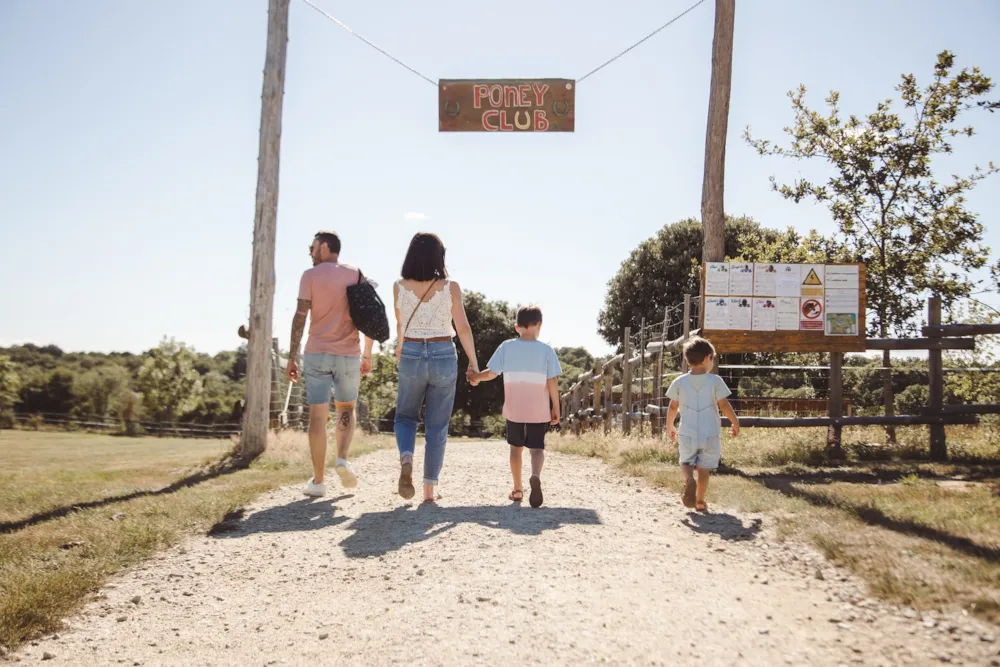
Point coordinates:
pixel 698 397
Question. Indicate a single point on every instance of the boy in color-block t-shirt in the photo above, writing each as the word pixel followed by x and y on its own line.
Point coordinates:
pixel 530 370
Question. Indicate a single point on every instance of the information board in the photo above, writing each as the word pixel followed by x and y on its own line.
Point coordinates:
pixel 767 307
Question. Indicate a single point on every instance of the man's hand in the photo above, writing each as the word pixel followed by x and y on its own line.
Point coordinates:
pixel 293 370
pixel 366 366
pixel 555 416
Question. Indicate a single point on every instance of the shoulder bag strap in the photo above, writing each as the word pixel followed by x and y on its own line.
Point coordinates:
pixel 433 283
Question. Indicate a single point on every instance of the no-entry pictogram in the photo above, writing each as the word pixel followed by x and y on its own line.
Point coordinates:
pixel 812 315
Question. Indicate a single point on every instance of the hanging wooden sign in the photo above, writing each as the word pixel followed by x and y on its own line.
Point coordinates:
pixel 506 105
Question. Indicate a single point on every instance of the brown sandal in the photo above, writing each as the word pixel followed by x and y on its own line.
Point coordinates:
pixel 690 488
pixel 517 495
pixel 406 489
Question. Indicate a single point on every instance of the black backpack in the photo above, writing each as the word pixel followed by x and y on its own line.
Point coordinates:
pixel 367 310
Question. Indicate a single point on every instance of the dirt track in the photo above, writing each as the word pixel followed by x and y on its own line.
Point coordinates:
pixel 609 570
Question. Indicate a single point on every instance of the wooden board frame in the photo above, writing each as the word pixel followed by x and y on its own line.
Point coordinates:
pixel 730 342
pixel 506 105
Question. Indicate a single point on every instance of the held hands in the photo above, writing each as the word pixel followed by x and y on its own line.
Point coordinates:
pixel 472 376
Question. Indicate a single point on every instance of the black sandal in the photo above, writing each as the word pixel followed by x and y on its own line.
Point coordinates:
pixel 535 499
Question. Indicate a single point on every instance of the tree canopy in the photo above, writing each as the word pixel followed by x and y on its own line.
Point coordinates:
pixel 911 229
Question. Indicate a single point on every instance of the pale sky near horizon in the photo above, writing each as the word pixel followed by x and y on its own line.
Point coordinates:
pixel 129 136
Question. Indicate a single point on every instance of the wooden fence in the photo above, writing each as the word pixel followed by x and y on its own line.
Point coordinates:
pixel 595 401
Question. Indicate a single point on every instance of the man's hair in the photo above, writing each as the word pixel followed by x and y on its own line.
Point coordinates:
pixel 424 259
pixel 528 316
pixel 331 240
pixel 697 350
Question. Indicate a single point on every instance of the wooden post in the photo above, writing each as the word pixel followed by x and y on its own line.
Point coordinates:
pixel 687 328
pixel 658 420
pixel 255 418
pixel 836 405
pixel 576 408
pixel 939 448
pixel 609 396
pixel 642 374
pixel 627 383
pixel 598 381
pixel 888 399
pixel 275 410
pixel 713 186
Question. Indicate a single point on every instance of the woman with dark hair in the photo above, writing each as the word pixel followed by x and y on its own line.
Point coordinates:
pixel 427 306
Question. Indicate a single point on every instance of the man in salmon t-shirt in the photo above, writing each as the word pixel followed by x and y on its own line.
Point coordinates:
pixel 332 358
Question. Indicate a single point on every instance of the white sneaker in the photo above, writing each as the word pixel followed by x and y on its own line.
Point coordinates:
pixel 314 490
pixel 347 477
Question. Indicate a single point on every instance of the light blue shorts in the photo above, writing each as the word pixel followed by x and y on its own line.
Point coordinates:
pixel 700 454
pixel 331 371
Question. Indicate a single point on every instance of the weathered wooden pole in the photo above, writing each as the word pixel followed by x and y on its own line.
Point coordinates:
pixel 627 383
pixel 713 219
pixel 888 399
pixel 255 414
pixel 835 402
pixel 935 364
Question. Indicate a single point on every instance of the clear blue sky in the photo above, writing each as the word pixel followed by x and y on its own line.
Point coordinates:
pixel 128 132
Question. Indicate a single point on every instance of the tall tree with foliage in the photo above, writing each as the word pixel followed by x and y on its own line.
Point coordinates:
pixel 378 388
pixel 95 389
pixel 663 269
pixel 912 230
pixel 168 381
pixel 10 384
pixel 492 323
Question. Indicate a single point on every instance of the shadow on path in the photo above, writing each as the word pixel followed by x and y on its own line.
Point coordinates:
pixel 226 466
pixel 299 516
pixel 378 533
pixel 726 526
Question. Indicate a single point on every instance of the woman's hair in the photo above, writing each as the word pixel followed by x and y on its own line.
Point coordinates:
pixel 425 258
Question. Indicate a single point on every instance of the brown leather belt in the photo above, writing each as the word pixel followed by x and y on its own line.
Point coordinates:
pixel 439 339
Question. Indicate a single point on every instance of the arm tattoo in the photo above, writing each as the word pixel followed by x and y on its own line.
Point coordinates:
pixel 298 326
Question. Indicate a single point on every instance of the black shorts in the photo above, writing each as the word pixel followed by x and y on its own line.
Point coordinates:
pixel 531 436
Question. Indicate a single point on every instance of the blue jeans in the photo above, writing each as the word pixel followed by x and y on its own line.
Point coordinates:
pixel 427 371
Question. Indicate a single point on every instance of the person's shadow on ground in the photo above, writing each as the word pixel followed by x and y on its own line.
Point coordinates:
pixel 378 533
pixel 298 516
pixel 726 526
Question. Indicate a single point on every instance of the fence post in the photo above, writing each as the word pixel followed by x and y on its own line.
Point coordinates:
pixel 642 375
pixel 275 416
pixel 627 383
pixel 887 395
pixel 658 420
pixel 609 396
pixel 836 405
pixel 939 447
pixel 597 373
pixel 687 328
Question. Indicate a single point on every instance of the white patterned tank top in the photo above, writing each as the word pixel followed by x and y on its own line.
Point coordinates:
pixel 432 319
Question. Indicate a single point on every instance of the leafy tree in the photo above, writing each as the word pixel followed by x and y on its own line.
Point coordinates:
pixel 93 391
pixel 378 389
pixel 48 392
pixel 913 231
pixel 10 384
pixel 574 361
pixel 663 269
pixel 168 381
pixel 492 323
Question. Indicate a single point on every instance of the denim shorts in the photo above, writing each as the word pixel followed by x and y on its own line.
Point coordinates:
pixel 325 371
pixel 701 454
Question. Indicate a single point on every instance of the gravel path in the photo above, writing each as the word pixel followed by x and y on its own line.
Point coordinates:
pixel 609 570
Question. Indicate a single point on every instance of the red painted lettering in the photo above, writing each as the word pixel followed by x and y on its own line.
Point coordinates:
pixel 492 113
pixel 478 93
pixel 525 92
pixel 511 96
pixel 505 126
pixel 540 93
pixel 541 122
pixel 498 102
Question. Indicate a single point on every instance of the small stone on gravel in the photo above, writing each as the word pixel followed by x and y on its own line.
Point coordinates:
pixel 48 656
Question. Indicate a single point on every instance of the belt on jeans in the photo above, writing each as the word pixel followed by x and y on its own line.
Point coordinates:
pixel 439 339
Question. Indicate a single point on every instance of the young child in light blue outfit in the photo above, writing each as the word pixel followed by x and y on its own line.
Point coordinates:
pixel 699 395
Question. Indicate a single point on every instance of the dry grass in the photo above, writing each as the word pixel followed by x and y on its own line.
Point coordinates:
pixel 919 533
pixel 48 566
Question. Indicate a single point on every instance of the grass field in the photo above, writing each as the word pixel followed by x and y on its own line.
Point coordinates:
pixel 76 508
pixel 919 533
